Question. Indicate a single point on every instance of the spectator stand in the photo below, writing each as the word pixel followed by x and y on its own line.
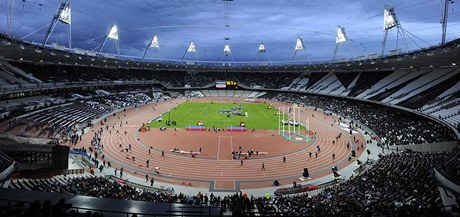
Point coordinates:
pixel 370 193
pixel 161 189
pixel 298 189
pixel 391 122
pixel 14 201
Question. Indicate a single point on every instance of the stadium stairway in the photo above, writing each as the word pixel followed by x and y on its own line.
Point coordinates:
pixel 397 86
pixel 366 80
pixel 321 83
pixel 314 78
pixel 382 84
pixel 443 88
pixel 424 83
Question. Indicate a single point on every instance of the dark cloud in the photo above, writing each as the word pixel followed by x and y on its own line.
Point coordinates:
pixel 275 23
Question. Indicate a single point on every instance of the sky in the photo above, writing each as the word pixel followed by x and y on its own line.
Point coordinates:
pixel 277 24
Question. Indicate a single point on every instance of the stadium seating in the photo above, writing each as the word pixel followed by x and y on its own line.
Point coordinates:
pixel 394 127
pixel 380 190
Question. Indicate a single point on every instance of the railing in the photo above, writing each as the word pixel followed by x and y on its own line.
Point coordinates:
pixel 176 211
pixel 46 86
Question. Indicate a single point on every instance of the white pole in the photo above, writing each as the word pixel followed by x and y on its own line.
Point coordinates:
pixel 298 117
pixel 298 122
pixel 289 122
pixel 295 120
pixel 293 108
pixel 300 130
pixel 279 121
pixel 306 131
pixel 283 119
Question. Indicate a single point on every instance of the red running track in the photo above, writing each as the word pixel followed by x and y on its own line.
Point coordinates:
pixel 214 168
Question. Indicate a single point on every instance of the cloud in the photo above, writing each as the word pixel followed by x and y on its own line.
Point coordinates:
pixel 275 23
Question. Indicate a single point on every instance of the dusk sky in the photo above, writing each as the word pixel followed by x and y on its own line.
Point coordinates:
pixel 275 23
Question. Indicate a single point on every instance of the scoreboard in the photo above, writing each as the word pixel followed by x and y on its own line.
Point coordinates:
pixel 229 84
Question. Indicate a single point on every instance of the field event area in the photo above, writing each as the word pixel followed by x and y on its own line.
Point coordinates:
pixel 261 116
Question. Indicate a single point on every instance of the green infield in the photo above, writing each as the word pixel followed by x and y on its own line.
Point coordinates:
pixel 222 115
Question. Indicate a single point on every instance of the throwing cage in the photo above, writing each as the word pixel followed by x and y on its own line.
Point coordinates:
pixel 289 127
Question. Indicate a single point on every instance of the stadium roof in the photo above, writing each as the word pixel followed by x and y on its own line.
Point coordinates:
pixel 243 25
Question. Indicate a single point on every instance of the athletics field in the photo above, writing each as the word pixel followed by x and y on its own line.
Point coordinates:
pixel 259 116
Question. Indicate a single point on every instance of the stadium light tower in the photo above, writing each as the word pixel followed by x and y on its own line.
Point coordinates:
pixel 340 39
pixel 227 52
pixel 63 15
pixel 153 44
pixel 112 34
pixel 263 49
pixel 190 49
pixel 299 46
pixel 389 21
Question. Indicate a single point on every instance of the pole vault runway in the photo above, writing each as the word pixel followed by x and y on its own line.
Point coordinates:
pixel 214 168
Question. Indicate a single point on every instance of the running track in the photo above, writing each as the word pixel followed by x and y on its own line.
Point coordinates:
pixel 214 168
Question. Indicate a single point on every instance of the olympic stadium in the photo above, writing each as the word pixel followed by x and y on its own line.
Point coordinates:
pixel 229 108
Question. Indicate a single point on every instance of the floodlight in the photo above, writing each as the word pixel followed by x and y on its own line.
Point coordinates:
pixel 341 35
pixel 62 15
pixel 65 16
pixel 191 47
pixel 113 32
pixel 154 42
pixel 389 18
pixel 262 48
pixel 227 49
pixel 299 44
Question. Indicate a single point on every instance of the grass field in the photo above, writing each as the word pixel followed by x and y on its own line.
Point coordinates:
pixel 214 114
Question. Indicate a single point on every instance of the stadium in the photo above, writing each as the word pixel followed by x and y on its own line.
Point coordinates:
pixel 229 108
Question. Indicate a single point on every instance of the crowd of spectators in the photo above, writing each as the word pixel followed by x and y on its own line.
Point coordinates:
pixel 116 101
pixel 272 80
pixel 399 183
pixel 56 122
pixel 76 115
pixel 393 126
pixel 39 209
pixel 172 78
pixel 97 186
pixel 451 169
pixel 67 73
